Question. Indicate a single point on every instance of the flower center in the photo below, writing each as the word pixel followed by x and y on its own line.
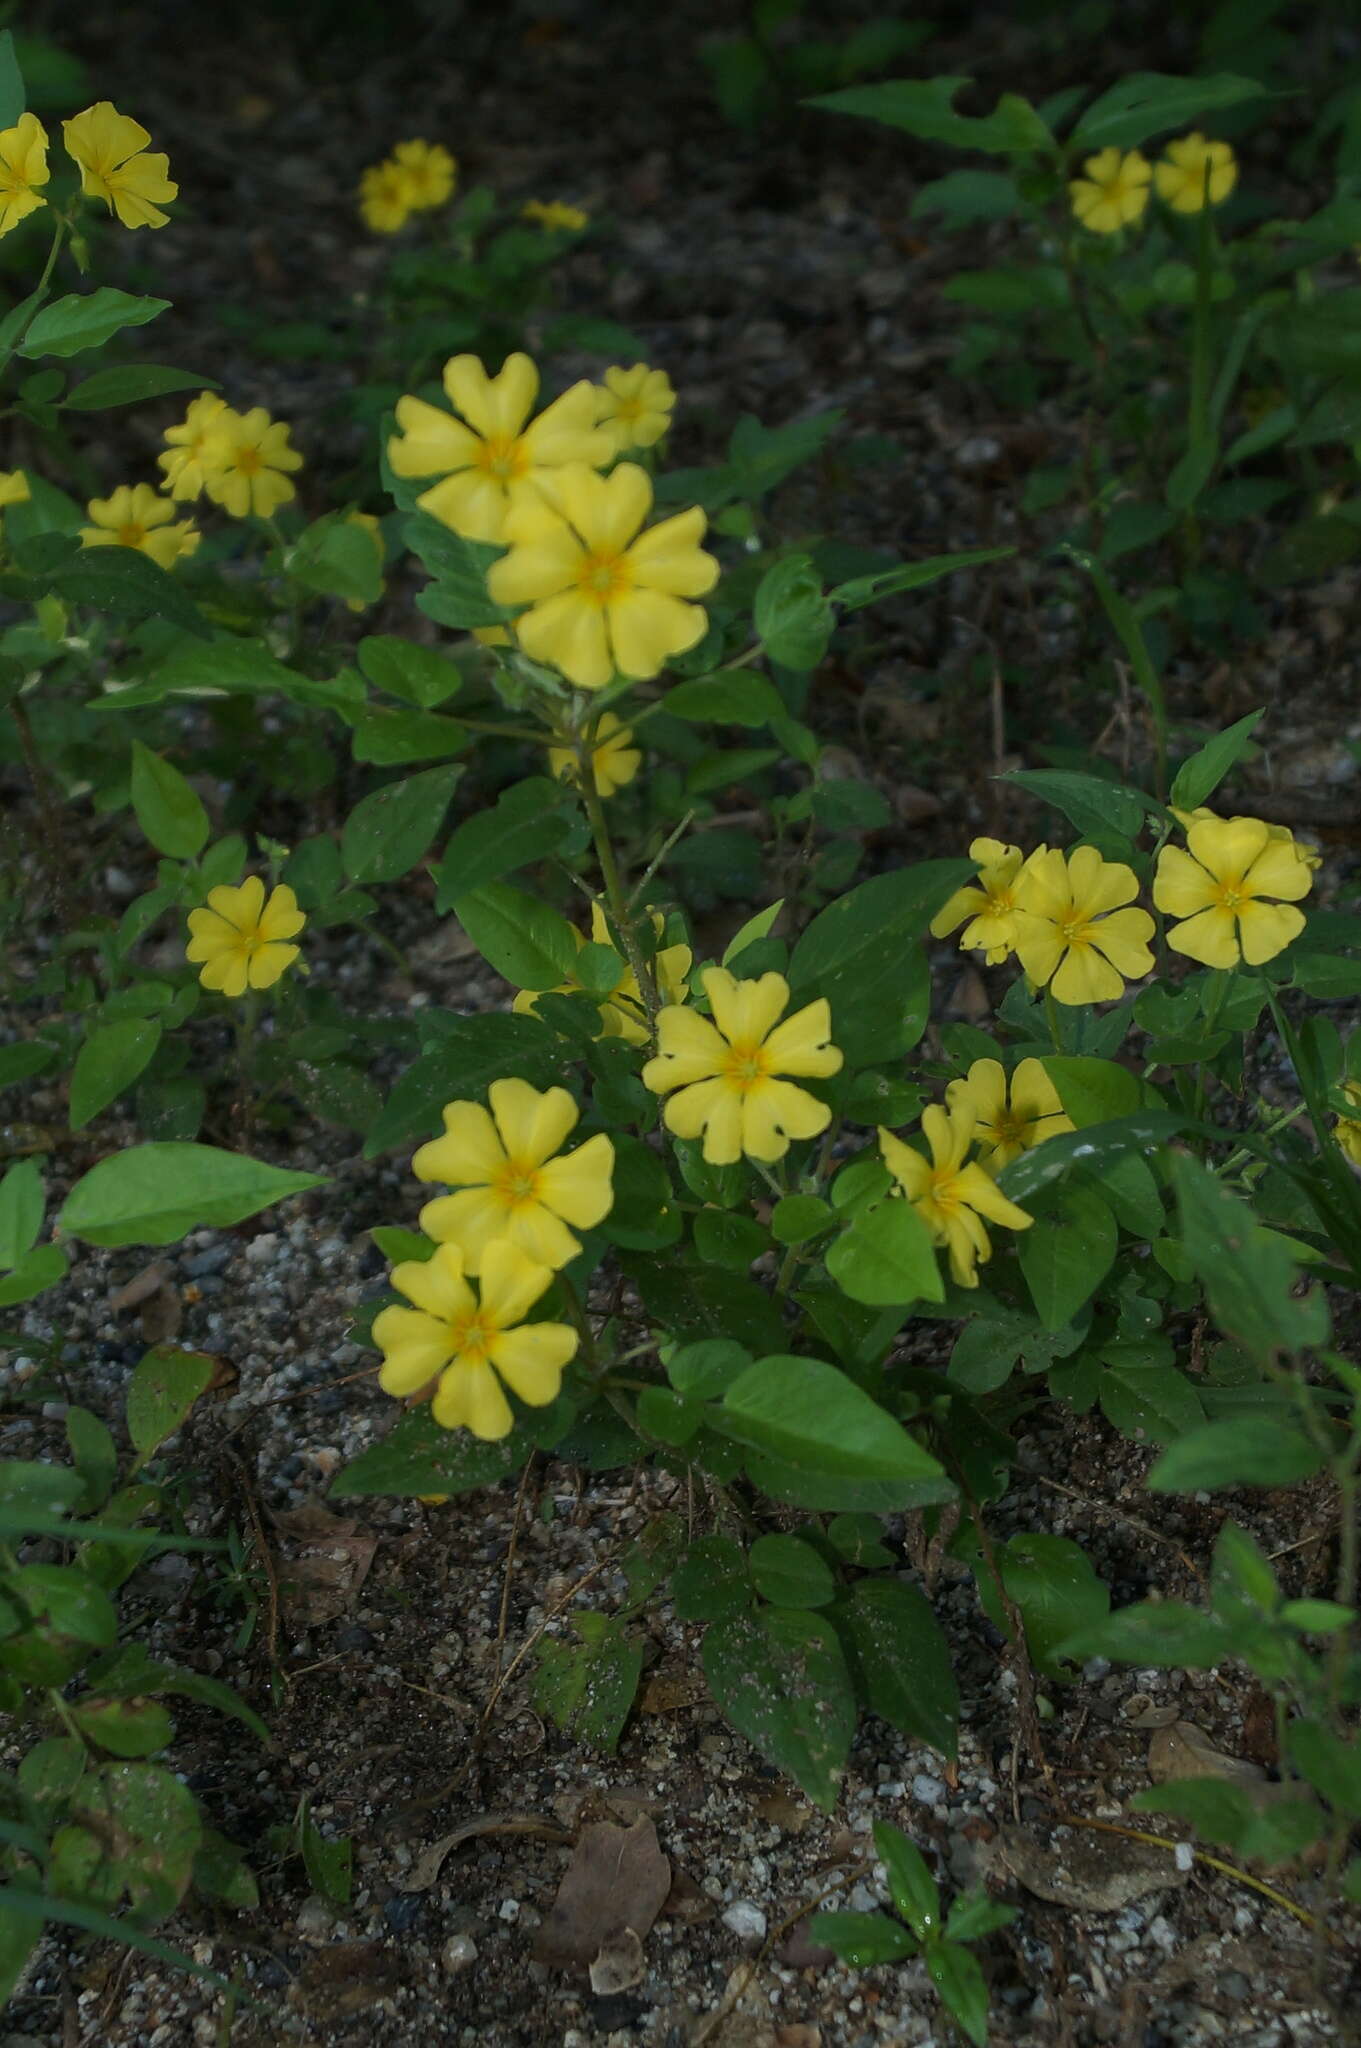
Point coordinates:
pixel 603 577
pixel 517 1184
pixel 502 456
pixel 746 1065
pixel 1233 895
pixel 471 1337
pixel 943 1187
pixel 132 535
pixel 248 461
pixel 1076 930
pixel 1009 1129
pixel 628 408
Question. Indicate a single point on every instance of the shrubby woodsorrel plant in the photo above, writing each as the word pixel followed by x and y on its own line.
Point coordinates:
pixel 683 1209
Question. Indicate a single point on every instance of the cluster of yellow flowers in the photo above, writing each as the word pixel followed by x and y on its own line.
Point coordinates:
pixel 1233 889
pixel 415 178
pixel 240 941
pixel 600 596
pixel 241 461
pixel 509 1227
pixel 952 1195
pixel 110 150
pixel 1114 188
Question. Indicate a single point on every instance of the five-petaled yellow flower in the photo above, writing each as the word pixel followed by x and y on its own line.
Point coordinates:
pixel 14 488
pixel 614 758
pixel 196 449
pixel 623 1013
pixel 384 198
pixel 605 598
pixel 510 1181
pixel 1347 1129
pixel 480 455
pixel 1222 888
pixel 989 902
pixel 1112 191
pixel 469 1341
pixel 249 472
pixel 635 406
pixel 117 167
pixel 240 941
pixel 730 1075
pixel 430 173
pixel 1192 169
pixel 1072 935
pixel 136 516
pixel 23 168
pixel 951 1198
pixel 1009 1118
pixel 555 215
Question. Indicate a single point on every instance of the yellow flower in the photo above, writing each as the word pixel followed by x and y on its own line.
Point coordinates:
pixel 117 167
pixel 614 758
pixel 635 406
pixel 1181 177
pixel 480 460
pixel 604 597
pixel 1112 192
pixel 623 1012
pixel 136 516
pixel 1071 934
pixel 510 1184
pixel 555 215
pixel 1347 1129
pixel 369 522
pixel 1009 1121
pixel 14 488
pixel 989 901
pixel 196 449
pixel 1220 888
pixel 23 167
pixel 470 1342
pixel 385 197
pixel 1310 855
pixel 241 940
pixel 728 1072
pixel 951 1198
pixel 254 456
pixel 430 173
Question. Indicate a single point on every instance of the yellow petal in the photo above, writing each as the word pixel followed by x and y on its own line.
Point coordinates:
pixel 414 1348
pixel 568 633
pixel 1280 870
pixel 469 1396
pixel 1266 929
pixel 531 1359
pixel 281 917
pixel 470 1150
pixel 539 568
pixel 1211 937
pixel 668 556
pixel 532 1124
pixel 980 1193
pixel 1227 847
pixel 1181 886
pixel 689 1049
pixel 774 1112
pixel 436 1284
pixel 579 1186
pixel 1085 976
pixel 801 1045
pixel 541 1235
pixel 510 1283
pixel 565 431
pixel 648 628
pixel 712 1109
pixel 1123 937
pixel 744 1011
pixel 268 963
pixel 469 1220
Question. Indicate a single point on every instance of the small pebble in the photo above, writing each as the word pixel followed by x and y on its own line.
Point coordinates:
pixel 928 1791
pixel 458 1952
pixel 746 1921
pixel 509 1909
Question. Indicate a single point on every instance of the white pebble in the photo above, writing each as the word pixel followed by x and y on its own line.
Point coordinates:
pixel 746 1921
pixel 509 1909
pixel 929 1791
pixel 458 1952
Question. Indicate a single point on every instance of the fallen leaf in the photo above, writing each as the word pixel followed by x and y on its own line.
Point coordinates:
pixel 618 1878
pixel 790 1815
pixel 1102 1873
pixel 428 1864
pixel 140 1288
pixel 685 1901
pixel 333 1561
pixel 346 1977
pixel 619 1965
pixel 1185 1751
pixel 668 1694
pixel 799 1951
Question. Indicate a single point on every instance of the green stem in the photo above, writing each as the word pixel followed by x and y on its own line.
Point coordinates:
pixel 581 1322
pixel 1225 978
pixel 1052 1019
pixel 615 894
pixel 62 229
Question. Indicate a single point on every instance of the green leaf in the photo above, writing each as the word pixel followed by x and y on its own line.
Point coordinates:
pixel 465 1055
pixel 760 456
pixel 728 697
pixel 1200 775
pixel 13 102
pixel 791 615
pixel 1223 1812
pixel 29 1486
pixel 808 1412
pixel 790 1573
pixel 780 1678
pixel 418 1457
pixel 1329 1761
pixel 229 667
pixel 863 590
pixel 49 1772
pixel 901 1660
pixel 130 384
pixel 23 1059
pixel 924 107
pixel 328 1860
pixel 1096 807
pixel 124 1727
pixel 164 1387
pixel 458 595
pixel 1054 1586
pixel 41 1268
pixel 712 1581
pixel 86 320
pixel 1150 102
pixel 1092 1147
pixel 797 1218
pixel 338 556
pixel 388 832
pixel 1147 1397
pixel 394 739
pixel 644 1216
pixel 416 674
pixel 21 1211
pixel 528 821
pixel 527 942
pixel 154 1194
pixel 706 1370
pixel 588 1688
pixel 94 1455
pixel 858 954
pixel 886 1257
pixel 167 807
pixel 222 1873
pixel 964 196
pixel 1247 1272
pixel 1248 1450
pixel 861 1939
pixel 109 1061
pixel 916 1897
pixel 1066 1256
pixel 123 581
pixel 1092 1091
pixel 63 1600
pixel 962 1987
pixel 693 1301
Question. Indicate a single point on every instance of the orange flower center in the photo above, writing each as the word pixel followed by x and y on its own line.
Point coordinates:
pixel 1232 895
pixel 503 457
pixel 628 408
pixel 131 535
pixel 471 1336
pixel 248 460
pixel 746 1065
pixel 516 1184
pixel 603 577
pixel 1009 1128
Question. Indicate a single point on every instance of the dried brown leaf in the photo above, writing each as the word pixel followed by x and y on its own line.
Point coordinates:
pixel 618 1878
pixel 429 1863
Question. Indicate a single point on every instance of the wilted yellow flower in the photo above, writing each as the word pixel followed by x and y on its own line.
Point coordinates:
pixel 510 1185
pixel 1112 191
pixel 14 488
pixel 605 597
pixel 1009 1118
pixel 1221 885
pixel 555 215
pixel 479 461
pixel 239 940
pixel 430 173
pixel 117 167
pixel 1072 935
pixel 197 448
pixel 635 406
pixel 623 1012
pixel 1190 166
pixel 950 1197
pixel 136 516
pixel 729 1074
pixel 989 902
pixel 23 168
pixel 248 469
pixel 1347 1129
pixel 469 1342
pixel 614 758
pixel 385 200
